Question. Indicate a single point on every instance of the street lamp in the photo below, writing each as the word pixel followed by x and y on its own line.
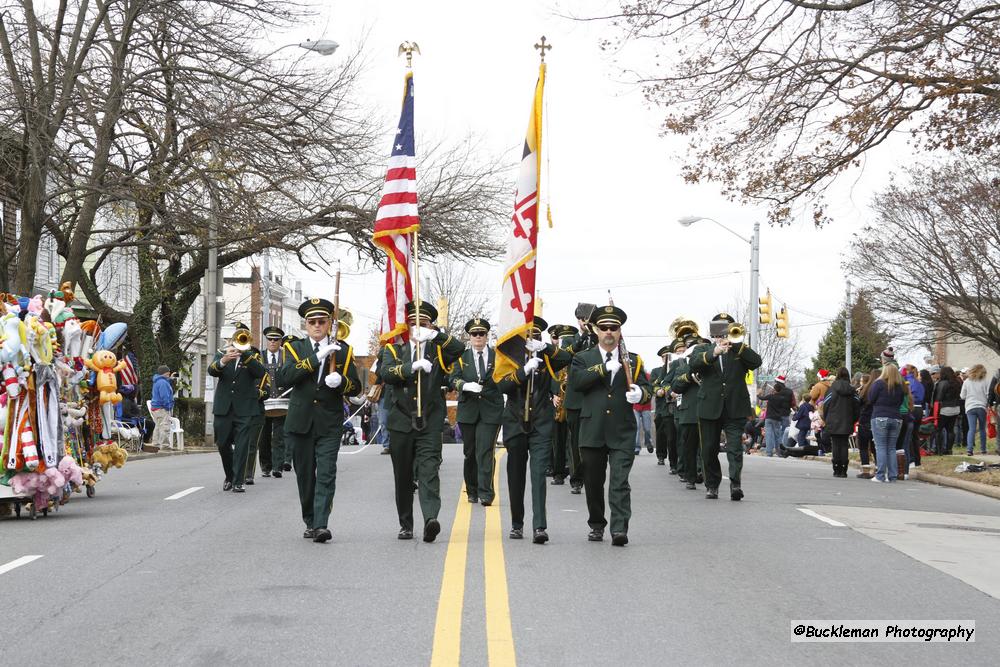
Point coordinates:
pixel 214 278
pixel 754 241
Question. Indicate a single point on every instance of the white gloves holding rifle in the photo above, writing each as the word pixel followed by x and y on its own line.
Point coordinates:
pixel 533 345
pixel 472 387
pixel 421 365
pixel 333 380
pixel 612 366
pixel 634 394
pixel 325 350
pixel 532 365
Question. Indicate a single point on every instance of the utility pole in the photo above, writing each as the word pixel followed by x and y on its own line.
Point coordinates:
pixel 847 332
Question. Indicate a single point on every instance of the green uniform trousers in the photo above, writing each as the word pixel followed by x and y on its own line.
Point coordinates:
pixel 315 458
pixel 666 439
pixel 232 430
pixel 417 453
pixel 688 454
pixel 478 443
pixel 273 453
pixel 522 450
pixel 560 442
pixel 256 432
pixel 573 447
pixel 710 433
pixel 596 461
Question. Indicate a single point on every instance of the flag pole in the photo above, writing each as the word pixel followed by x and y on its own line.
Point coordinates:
pixel 409 48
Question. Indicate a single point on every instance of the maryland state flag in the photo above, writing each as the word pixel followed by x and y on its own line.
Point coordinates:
pixel 517 294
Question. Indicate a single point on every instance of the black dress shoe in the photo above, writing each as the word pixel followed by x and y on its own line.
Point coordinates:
pixel 673 471
pixel 486 503
pixel 660 462
pixel 596 535
pixel 287 467
pixel 558 481
pixel 619 539
pixel 309 533
pixel 700 479
pixel 712 494
pixel 473 500
pixel 649 448
pixel 227 486
pixel 735 492
pixel 239 489
pixel 576 490
pixel 690 486
pixel 276 474
pixel 516 534
pixel 249 481
pixel 322 535
pixel 541 537
pixel 549 471
pixel 431 530
pixel 266 473
pixel 405 534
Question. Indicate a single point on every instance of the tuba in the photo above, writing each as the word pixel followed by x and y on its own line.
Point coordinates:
pixel 242 340
pixel 737 333
pixel 682 326
pixel 344 324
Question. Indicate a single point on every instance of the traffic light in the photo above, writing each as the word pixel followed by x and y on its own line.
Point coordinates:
pixel 765 308
pixel 781 322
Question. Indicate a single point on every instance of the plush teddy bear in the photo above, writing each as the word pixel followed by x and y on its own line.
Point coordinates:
pixel 106 364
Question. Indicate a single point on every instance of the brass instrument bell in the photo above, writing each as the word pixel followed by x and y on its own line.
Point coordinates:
pixel 344 324
pixel 682 327
pixel 242 340
pixel 737 333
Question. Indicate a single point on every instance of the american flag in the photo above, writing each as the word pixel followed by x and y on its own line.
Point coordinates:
pixel 128 374
pixel 396 221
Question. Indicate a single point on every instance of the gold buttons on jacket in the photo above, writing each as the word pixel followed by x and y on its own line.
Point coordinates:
pixel 609 412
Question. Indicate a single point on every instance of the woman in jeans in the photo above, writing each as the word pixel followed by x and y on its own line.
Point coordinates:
pixel 886 397
pixel 947 400
pixel 975 393
pixel 865 426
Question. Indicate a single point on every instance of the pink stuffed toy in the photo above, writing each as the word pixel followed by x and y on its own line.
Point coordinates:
pixel 71 471
pixel 25 483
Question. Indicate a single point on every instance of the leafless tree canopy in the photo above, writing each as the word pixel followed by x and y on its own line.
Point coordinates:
pixel 777 97
pixel 931 259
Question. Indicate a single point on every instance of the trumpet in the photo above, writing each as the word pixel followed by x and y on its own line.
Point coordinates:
pixel 242 340
pixel 736 333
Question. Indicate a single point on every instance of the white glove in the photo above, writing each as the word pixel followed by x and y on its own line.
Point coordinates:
pixel 325 350
pixel 612 366
pixel 472 387
pixel 424 334
pixel 533 345
pixel 532 365
pixel 634 393
pixel 333 380
pixel 421 365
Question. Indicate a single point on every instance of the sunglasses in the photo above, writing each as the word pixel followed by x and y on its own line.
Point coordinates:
pixel 477 334
pixel 608 327
pixel 318 320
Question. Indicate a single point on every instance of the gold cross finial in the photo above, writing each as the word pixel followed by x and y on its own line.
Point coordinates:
pixel 543 47
pixel 409 48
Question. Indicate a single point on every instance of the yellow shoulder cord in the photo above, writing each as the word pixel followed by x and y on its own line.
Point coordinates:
pixel 549 366
pixel 638 369
pixel 392 349
pixel 446 369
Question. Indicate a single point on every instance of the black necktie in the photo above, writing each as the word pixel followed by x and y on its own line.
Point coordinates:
pixel 482 367
pixel 316 346
pixel 607 356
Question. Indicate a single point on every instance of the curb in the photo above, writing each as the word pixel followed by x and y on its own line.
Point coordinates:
pixel 931 478
pixel 140 456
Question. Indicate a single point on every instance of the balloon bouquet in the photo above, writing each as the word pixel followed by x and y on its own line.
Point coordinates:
pixel 58 396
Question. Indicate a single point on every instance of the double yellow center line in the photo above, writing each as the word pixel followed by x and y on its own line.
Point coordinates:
pixel 448 627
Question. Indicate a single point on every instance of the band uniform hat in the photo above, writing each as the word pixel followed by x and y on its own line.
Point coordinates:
pixel 273 333
pixel 677 344
pixel 609 315
pixel 558 331
pixel 238 326
pixel 290 338
pixel 724 317
pixel 693 340
pixel 477 325
pixel 666 349
pixel 538 325
pixel 315 307
pixel 426 310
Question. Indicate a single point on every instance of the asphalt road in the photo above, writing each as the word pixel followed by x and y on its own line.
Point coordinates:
pixel 220 578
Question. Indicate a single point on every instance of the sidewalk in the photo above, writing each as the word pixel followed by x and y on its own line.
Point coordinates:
pixel 159 455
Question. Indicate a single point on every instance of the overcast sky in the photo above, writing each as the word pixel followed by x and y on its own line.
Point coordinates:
pixel 613 182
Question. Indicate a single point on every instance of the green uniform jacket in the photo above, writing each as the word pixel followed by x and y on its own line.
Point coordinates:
pixel 300 371
pixel 238 388
pixel 723 380
pixel 661 378
pixel 486 406
pixel 541 411
pixel 684 384
pixel 606 418
pixel 395 369
pixel 579 343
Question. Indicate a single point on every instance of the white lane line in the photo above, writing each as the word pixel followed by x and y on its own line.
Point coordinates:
pixel 356 451
pixel 181 494
pixel 821 517
pixel 23 560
